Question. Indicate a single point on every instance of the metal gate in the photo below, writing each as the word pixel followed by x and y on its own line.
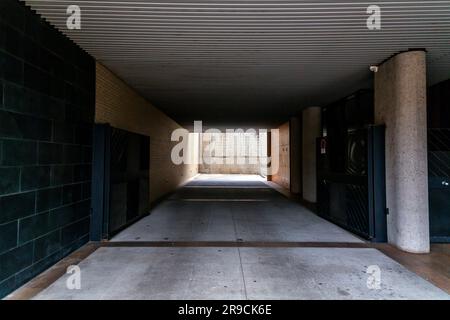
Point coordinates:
pixel 354 198
pixel 120 187
pixel 439 184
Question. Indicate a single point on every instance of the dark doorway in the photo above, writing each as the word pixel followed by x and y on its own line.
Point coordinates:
pixel 121 182
pixel 439 161
pixel 350 167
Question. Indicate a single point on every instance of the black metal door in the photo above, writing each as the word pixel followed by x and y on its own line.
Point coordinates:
pixel 354 197
pixel 439 184
pixel 120 181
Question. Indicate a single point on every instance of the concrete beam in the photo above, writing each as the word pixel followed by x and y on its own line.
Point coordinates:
pixel 311 130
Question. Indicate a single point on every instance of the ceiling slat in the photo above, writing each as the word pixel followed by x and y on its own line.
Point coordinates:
pixel 196 59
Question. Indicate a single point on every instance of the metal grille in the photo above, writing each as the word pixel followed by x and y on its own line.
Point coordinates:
pixel 354 198
pixel 439 153
pixel 357 208
pixel 357 153
pixel 439 180
pixel 345 204
pixel 119 147
pixel 129 178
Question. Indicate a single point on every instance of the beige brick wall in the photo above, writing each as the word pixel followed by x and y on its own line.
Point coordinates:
pixel 122 107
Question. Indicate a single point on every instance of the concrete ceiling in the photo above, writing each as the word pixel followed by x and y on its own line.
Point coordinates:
pixel 254 61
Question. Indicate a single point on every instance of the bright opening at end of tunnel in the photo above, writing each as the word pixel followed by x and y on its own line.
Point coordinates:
pixel 239 151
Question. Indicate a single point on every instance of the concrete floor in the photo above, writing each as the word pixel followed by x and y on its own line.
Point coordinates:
pixel 227 208
pixel 240 273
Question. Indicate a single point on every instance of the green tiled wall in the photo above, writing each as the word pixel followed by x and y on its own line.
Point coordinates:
pixel 47 101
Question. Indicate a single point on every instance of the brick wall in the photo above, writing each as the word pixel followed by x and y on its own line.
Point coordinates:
pixel 122 107
pixel 46 115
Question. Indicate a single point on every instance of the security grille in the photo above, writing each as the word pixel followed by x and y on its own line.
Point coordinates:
pixel 439 183
pixel 119 148
pixel 439 153
pixel 354 197
pixel 357 208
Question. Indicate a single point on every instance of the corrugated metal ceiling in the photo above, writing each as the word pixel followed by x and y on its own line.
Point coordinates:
pixel 233 61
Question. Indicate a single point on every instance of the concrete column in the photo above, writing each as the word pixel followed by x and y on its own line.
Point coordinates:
pixel 400 104
pixel 311 130
pixel 295 142
pixel 269 153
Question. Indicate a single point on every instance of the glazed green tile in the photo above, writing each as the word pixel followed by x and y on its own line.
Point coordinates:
pixel 35 177
pixel 17 153
pixel 9 180
pixel 8 236
pixel 16 206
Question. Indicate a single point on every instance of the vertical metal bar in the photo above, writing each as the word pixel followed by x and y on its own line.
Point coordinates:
pixel 379 184
pixel 370 182
pixel 98 182
pixel 107 181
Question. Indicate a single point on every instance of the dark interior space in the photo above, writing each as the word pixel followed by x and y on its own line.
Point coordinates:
pixel 121 191
pixel 439 160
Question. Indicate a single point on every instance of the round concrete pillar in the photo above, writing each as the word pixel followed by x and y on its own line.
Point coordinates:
pixel 311 129
pixel 400 104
